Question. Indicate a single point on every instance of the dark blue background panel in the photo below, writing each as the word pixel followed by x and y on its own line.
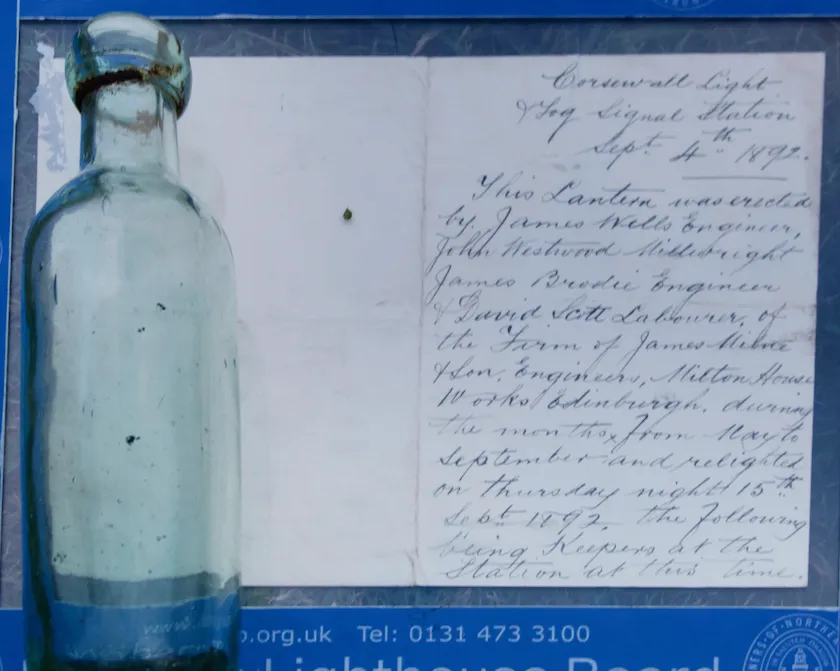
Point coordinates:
pixel 476 38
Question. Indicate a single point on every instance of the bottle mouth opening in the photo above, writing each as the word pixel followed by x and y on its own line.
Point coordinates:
pixel 161 80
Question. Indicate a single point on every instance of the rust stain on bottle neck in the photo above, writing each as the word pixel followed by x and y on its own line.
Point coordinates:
pixel 150 75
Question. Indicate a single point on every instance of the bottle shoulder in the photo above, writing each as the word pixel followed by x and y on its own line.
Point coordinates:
pixel 98 198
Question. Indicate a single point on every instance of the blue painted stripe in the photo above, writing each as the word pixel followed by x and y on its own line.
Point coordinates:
pixel 8 116
pixel 78 9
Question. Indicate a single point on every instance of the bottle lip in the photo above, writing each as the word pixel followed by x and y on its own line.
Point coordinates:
pixel 121 47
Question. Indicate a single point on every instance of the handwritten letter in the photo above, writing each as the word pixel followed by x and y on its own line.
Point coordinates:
pixel 595 277
pixel 619 311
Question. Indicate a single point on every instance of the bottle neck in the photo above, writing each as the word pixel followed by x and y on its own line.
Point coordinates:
pixel 129 126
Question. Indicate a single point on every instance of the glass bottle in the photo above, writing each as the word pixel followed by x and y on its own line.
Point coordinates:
pixel 130 402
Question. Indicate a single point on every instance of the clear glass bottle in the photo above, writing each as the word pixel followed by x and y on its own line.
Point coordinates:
pixel 130 405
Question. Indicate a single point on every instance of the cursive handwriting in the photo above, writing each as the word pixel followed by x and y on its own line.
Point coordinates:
pixel 617 363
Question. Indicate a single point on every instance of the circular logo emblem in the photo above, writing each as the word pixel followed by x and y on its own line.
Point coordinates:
pixel 683 5
pixel 801 642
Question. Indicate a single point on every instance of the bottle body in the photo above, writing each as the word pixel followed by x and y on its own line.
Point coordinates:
pixel 130 425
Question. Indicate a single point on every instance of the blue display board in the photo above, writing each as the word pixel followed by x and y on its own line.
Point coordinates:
pixel 508 630
pixel 515 639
